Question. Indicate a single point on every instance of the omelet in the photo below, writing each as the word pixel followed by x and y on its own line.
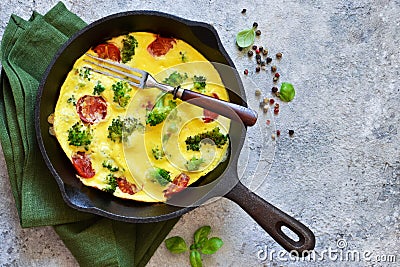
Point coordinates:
pixel 141 144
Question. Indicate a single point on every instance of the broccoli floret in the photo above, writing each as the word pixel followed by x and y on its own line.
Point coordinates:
pixel 72 100
pixel 161 176
pixel 85 73
pixel 194 163
pixel 79 135
pixel 115 130
pixel 128 49
pixel 183 56
pixel 175 79
pixel 108 165
pixel 160 111
pixel 219 139
pixel 98 89
pixel 199 83
pixel 121 95
pixel 120 128
pixel 112 183
pixel 157 153
pixel 131 124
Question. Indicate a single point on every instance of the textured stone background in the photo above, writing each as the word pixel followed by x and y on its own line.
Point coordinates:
pixel 340 174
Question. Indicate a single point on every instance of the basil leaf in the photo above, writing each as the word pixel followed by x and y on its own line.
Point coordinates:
pixel 201 234
pixel 287 92
pixel 245 38
pixel 195 259
pixel 176 244
pixel 211 245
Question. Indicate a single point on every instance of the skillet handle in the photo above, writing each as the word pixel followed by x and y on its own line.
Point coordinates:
pixel 227 109
pixel 271 219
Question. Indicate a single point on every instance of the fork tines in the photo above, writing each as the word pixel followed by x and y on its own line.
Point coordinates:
pixel 133 76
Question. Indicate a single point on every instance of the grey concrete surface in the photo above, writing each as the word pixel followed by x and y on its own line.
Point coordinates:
pixel 339 174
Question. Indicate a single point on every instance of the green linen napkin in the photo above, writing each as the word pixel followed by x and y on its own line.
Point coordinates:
pixel 27 48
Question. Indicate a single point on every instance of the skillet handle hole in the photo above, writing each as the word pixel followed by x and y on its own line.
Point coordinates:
pixel 290 233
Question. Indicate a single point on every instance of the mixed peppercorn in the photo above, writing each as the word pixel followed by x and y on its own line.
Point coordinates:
pixel 262 58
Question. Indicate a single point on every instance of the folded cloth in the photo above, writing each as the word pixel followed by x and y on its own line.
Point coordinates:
pixel 27 48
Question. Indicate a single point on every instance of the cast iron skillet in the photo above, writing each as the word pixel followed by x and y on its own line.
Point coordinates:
pixel 223 181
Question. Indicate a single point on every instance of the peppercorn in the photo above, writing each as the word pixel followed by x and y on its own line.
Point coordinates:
pixel 291 132
pixel 265 52
pixel 260 48
pixel 276 105
pixel 246 71
pixel 276 111
pixel 254 47
pixel 262 63
pixel 275 79
pixel 244 10
pixel 278 132
pixel 279 55
pixel 258 92
pixel 277 75
pixel 255 25
pixel 240 48
pixel 274 89
pixel 268 122
pixel 258 56
pixel 265 108
pixel 257 51
pixel 268 60
pixel 258 61
pixel 266 100
pixel 258 32
pixel 273 136
pixel 250 53
pixel 258 69
pixel 273 68
pixel 278 94
pixel 271 101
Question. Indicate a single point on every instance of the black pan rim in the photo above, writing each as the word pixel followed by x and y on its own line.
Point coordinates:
pixel 60 183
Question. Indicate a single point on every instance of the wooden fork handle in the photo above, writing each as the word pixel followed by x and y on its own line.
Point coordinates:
pixel 221 107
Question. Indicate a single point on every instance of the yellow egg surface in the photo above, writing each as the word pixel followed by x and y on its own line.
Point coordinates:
pixel 112 131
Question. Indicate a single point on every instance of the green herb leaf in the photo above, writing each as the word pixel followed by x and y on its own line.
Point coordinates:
pixel 195 259
pixel 176 244
pixel 245 38
pixel 211 245
pixel 287 92
pixel 201 234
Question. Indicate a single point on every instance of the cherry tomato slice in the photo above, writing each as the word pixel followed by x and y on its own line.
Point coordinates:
pixel 126 187
pixel 91 109
pixel 179 183
pixel 108 51
pixel 83 165
pixel 160 46
pixel 210 116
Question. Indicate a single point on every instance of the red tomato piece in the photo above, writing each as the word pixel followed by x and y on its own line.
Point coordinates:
pixel 83 165
pixel 91 109
pixel 179 183
pixel 210 116
pixel 108 51
pixel 160 46
pixel 126 187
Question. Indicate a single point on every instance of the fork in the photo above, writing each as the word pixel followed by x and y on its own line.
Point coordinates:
pixel 142 79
